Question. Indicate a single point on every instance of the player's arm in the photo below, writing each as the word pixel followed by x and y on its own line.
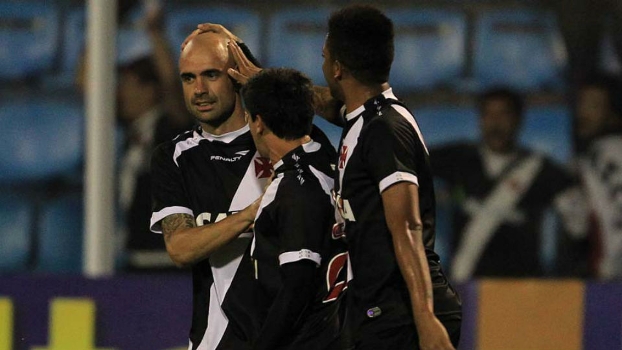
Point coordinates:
pixel 401 207
pixel 326 106
pixel 292 299
pixel 172 97
pixel 188 243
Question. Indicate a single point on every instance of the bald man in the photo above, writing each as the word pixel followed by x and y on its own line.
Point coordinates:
pixel 205 183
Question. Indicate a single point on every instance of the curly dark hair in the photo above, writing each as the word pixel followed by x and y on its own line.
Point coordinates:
pixel 361 38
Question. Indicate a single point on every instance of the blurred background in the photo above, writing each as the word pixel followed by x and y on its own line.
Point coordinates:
pixel 448 53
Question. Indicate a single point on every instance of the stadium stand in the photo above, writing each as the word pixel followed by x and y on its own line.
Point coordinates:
pixel 29 33
pixel 59 247
pixel 519 47
pixel 430 48
pixel 295 39
pixel 15 225
pixel 43 138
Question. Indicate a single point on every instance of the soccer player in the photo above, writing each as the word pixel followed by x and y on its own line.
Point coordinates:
pixel 298 265
pixel 204 184
pixel 399 297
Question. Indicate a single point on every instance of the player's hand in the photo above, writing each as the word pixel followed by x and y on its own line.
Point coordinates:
pixel 218 29
pixel 210 27
pixel 245 68
pixel 433 335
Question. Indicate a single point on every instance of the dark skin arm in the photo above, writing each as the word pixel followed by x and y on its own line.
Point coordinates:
pixel 401 207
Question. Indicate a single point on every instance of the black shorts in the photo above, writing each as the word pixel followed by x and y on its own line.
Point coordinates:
pixel 402 337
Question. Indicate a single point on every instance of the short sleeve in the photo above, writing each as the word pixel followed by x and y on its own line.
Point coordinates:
pixel 303 221
pixel 391 151
pixel 168 194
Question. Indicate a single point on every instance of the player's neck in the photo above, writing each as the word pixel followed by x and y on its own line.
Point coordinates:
pixel 356 94
pixel 278 147
pixel 234 122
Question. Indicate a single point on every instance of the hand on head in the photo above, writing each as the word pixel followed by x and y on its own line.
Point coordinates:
pixel 210 27
pixel 245 69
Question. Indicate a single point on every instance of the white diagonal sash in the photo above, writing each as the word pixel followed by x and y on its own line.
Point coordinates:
pixel 491 214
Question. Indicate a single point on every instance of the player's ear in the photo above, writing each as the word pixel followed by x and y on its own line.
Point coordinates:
pixel 337 69
pixel 259 125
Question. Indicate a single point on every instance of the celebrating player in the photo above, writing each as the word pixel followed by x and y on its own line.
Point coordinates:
pixel 399 297
pixel 298 265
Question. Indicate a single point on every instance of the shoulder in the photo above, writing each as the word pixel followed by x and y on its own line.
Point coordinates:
pixel 172 148
pixel 303 186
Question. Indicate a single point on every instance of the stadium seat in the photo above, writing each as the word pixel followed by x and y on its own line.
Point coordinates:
pixel 244 23
pixel 132 42
pixel 443 124
pixel 74 33
pixel 430 48
pixel 15 229
pixel 29 36
pixel 520 48
pixel 61 235
pixel 42 138
pixel 296 38
pixel 548 129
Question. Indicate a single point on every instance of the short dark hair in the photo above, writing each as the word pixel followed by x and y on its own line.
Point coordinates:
pixel 611 84
pixel 361 38
pixel 505 93
pixel 284 99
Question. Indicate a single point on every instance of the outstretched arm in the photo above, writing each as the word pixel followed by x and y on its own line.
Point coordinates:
pixel 172 94
pixel 188 244
pixel 401 207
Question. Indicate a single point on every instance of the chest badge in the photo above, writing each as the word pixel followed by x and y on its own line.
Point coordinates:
pixel 263 167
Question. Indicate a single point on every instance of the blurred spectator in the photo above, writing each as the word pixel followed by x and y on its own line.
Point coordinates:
pixel 150 110
pixel 599 127
pixel 500 193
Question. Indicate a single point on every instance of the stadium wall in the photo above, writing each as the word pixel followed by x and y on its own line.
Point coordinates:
pixel 152 312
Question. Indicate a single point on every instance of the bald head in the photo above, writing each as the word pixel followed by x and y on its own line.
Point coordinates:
pixel 209 92
pixel 208 43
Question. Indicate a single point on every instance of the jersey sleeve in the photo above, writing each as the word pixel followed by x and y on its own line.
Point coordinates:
pixel 303 219
pixel 392 152
pixel 168 194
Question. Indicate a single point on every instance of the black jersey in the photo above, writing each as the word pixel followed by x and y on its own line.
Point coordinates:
pixel 294 222
pixel 381 146
pixel 210 177
pixel 497 221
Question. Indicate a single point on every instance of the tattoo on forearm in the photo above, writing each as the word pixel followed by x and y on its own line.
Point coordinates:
pixel 173 222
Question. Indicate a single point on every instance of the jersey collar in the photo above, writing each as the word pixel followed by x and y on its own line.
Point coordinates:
pixel 388 93
pixel 227 137
pixel 292 156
